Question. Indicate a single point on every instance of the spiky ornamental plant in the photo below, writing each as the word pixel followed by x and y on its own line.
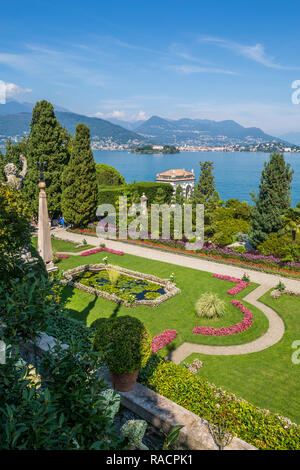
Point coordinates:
pixel 209 305
pixel 48 142
pixel 80 191
pixel 273 199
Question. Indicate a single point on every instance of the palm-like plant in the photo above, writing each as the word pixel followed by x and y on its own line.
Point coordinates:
pixel 291 222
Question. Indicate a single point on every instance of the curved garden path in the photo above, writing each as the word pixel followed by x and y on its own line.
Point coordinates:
pixel 267 281
pixel 272 336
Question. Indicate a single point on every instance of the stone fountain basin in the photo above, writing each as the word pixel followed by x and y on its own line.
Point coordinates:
pixel 169 287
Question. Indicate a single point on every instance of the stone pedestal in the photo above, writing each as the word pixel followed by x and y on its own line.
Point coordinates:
pixel 44 237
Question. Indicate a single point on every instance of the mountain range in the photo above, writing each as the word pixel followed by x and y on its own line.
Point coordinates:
pixel 199 132
pixel 15 122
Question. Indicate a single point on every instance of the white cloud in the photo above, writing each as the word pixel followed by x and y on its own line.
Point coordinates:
pixel 256 52
pixel 189 69
pixel 11 90
pixel 141 116
pixel 122 115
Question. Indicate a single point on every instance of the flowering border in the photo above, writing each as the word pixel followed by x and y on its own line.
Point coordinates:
pixel 165 338
pixel 97 250
pixel 240 285
pixel 231 330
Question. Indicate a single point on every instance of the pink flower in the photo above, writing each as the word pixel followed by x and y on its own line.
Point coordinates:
pixel 166 337
pixel 231 330
pixel 238 288
pixel 97 250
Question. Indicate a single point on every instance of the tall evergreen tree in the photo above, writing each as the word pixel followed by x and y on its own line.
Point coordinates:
pixel 178 197
pixel 80 190
pixel 205 190
pixel 160 196
pixel 48 142
pixel 272 201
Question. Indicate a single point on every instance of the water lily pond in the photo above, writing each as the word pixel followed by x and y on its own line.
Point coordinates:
pixel 121 285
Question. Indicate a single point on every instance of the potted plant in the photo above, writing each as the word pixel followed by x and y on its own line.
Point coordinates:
pixel 126 347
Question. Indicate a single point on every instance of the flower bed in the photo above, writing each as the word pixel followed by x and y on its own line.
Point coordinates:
pixel 231 330
pixel 165 338
pixel 97 250
pixel 240 285
pixel 63 256
pixel 228 256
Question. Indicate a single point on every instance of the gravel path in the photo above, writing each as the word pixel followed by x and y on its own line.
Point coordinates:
pixel 271 337
pixel 266 281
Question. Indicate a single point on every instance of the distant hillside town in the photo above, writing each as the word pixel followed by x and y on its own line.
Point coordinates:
pixel 172 135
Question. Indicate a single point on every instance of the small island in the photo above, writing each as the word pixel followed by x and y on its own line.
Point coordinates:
pixel 155 149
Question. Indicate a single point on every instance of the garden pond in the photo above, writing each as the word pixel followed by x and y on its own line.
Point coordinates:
pixel 123 286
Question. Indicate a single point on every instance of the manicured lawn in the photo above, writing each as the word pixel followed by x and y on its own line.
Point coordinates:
pixel 61 245
pixel 176 313
pixel 268 379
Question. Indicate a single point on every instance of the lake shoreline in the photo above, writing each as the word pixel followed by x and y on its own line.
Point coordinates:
pixel 237 174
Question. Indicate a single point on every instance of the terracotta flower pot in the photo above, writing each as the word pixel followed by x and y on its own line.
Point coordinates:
pixel 124 382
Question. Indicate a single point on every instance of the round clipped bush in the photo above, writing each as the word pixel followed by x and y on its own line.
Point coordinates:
pixel 209 305
pixel 124 342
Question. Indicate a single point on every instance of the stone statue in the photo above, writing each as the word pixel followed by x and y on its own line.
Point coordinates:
pixel 11 173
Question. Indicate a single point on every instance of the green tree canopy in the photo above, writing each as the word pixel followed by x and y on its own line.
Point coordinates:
pixel 291 222
pixel 108 175
pixel 48 142
pixel 205 191
pixel 272 201
pixel 80 191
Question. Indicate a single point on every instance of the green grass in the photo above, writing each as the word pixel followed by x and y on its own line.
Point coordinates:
pixel 268 379
pixel 61 245
pixel 176 313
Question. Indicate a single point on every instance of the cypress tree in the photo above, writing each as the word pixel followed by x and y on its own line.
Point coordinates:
pixel 273 199
pixel 160 196
pixel 48 142
pixel 205 191
pixel 178 196
pixel 80 190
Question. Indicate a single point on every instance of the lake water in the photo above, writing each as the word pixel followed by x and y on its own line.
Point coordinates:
pixel 236 173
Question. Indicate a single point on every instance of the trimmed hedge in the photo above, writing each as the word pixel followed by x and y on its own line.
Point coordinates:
pixel 150 190
pixel 110 195
pixel 261 428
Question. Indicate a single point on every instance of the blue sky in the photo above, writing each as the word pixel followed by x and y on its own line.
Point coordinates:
pixel 132 59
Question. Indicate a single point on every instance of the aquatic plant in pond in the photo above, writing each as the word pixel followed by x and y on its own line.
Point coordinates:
pixel 123 287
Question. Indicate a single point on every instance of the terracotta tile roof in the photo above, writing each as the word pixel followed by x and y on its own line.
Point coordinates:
pixel 176 173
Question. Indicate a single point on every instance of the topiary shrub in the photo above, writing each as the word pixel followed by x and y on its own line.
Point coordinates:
pixel 124 342
pixel 209 305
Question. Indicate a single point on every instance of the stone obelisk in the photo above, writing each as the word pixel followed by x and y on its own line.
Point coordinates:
pixel 44 237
